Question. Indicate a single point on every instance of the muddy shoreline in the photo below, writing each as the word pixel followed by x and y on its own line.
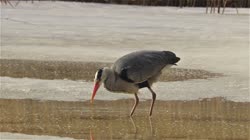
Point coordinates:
pixel 83 70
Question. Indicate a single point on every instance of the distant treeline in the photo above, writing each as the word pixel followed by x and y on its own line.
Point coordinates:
pixel 179 3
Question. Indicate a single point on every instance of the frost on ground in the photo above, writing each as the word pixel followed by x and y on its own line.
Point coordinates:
pixel 102 33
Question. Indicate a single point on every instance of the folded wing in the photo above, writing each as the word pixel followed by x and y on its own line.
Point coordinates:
pixel 139 66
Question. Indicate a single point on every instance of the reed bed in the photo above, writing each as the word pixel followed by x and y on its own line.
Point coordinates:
pixel 179 3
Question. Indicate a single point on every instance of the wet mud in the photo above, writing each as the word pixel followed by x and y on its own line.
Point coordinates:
pixel 83 70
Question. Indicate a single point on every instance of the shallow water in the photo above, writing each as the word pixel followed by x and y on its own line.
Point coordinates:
pixel 213 118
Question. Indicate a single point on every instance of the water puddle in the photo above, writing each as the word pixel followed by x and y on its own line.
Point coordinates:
pixel 214 118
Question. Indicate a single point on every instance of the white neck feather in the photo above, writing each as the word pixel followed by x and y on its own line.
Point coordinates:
pixel 114 83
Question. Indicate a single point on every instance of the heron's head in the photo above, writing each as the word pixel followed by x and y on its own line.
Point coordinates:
pixel 100 76
pixel 172 58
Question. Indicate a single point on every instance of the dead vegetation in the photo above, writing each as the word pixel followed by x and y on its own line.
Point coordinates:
pixel 6 2
pixel 179 3
pixel 213 4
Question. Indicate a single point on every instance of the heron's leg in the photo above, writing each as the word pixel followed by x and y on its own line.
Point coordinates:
pixel 136 103
pixel 153 101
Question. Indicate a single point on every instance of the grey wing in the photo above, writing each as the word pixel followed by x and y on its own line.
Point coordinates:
pixel 140 66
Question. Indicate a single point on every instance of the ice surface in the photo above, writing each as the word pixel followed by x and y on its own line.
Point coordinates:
pixel 17 136
pixel 66 90
pixel 104 32
pixel 100 32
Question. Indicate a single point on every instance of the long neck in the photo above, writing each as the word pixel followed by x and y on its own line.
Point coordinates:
pixel 110 80
pixel 114 83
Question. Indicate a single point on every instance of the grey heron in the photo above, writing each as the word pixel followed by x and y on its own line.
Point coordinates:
pixel 134 71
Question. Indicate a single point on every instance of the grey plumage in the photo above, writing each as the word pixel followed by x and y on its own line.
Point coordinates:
pixel 142 65
pixel 114 83
pixel 134 71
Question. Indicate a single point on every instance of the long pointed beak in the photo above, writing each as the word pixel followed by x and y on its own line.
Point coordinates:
pixel 96 87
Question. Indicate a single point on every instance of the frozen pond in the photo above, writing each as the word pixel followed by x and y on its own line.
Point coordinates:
pixel 45 87
pixel 102 33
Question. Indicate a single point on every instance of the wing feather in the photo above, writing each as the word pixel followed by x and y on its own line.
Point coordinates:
pixel 140 66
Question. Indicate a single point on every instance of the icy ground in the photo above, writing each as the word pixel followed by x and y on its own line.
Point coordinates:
pixel 66 90
pixel 104 32
pixel 12 136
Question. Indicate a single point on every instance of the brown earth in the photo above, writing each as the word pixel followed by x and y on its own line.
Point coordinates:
pixel 83 70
